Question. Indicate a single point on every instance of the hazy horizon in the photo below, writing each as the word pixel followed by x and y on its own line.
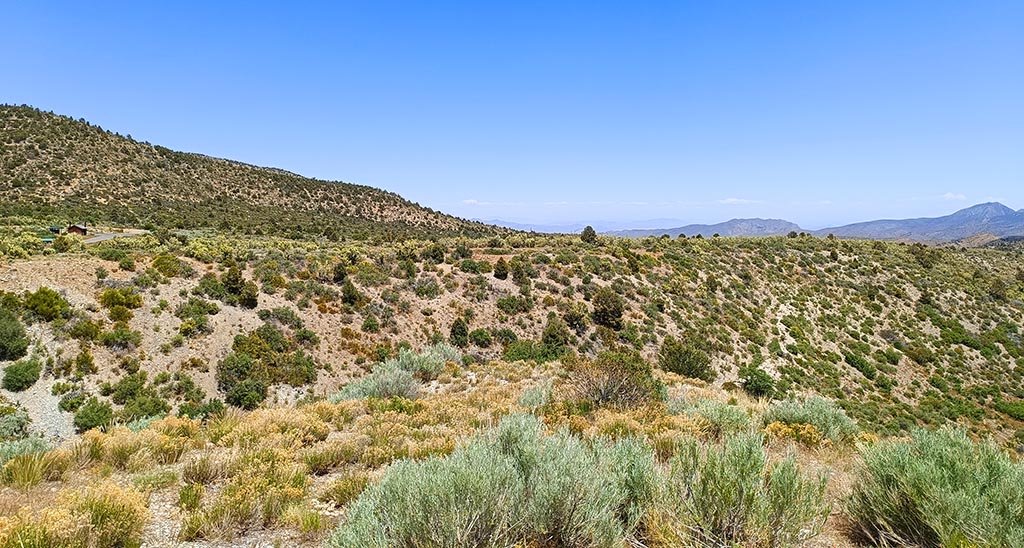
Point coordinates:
pixel 577 113
pixel 666 223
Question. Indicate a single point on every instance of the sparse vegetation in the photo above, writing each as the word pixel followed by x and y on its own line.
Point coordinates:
pixel 667 379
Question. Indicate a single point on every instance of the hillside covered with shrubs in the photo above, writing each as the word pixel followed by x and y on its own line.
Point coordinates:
pixel 510 390
pixel 65 170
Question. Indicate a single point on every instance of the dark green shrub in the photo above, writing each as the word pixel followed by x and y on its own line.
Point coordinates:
pixel 608 308
pixel 525 350
pixel 13 338
pixel 513 305
pixel 556 337
pixel 85 364
pixel 267 356
pixel 576 318
pixel 589 235
pixel 1014 409
pixel 171 266
pixel 920 353
pixel 22 374
pixel 125 296
pixel 120 313
pixel 480 338
pixel 370 324
pixel 757 382
pixel 248 297
pixel 234 368
pixel 128 388
pixel 233 280
pixel 434 253
pixel 505 336
pixel 283 315
pixel 459 333
pixel 93 414
pixel 685 360
pixel 860 363
pixel 85 330
pixel 247 394
pixel 501 269
pixel 143 406
pixel 47 304
pixel 211 287
pixel 121 338
pixel 195 410
pixel 339 273
pixel 349 294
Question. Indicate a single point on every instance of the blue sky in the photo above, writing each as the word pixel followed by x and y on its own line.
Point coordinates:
pixel 554 112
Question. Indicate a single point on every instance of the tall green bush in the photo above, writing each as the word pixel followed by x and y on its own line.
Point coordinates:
pixel 22 374
pixel 731 495
pixel 686 360
pixel 47 304
pixel 93 414
pixel 608 308
pixel 940 489
pixel 513 485
pixel 13 338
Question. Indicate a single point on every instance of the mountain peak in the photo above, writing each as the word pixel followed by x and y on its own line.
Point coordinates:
pixel 987 210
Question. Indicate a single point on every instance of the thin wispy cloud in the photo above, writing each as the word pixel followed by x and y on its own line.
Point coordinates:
pixel 738 201
pixel 953 197
pixel 613 203
pixel 486 203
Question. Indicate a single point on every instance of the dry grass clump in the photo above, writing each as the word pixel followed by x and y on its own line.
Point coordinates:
pixel 204 469
pixel 163 443
pixel 27 470
pixel 136 451
pixel 329 455
pixel 178 427
pixel 101 516
pixel 261 485
pixel 806 434
pixel 305 520
pixel 345 489
pixel 277 427
pixel 190 496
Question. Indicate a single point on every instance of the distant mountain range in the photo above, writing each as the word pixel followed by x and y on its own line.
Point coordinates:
pixel 569 228
pixel 992 218
pixel 734 227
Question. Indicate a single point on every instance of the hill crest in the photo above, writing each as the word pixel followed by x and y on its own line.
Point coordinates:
pixel 58 167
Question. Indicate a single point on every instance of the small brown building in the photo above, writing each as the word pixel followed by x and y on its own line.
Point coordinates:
pixel 78 229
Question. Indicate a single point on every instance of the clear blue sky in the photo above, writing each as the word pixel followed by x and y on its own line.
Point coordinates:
pixel 818 112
